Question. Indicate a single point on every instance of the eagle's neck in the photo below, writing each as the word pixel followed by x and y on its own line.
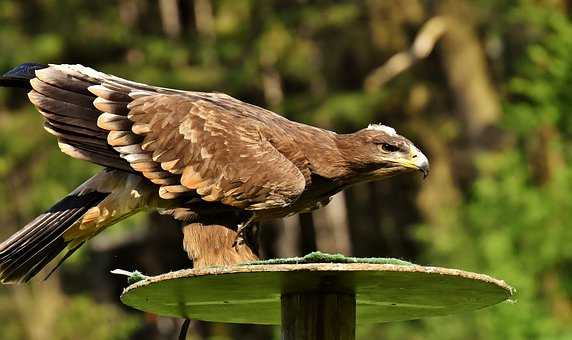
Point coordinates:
pixel 355 160
pixel 326 159
pixel 330 155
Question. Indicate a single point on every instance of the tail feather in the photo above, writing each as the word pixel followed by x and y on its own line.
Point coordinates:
pixel 40 241
pixel 98 203
pixel 61 261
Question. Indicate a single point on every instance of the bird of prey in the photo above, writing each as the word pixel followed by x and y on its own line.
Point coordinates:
pixel 193 155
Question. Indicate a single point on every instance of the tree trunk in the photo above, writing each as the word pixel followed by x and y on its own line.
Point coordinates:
pixel 170 18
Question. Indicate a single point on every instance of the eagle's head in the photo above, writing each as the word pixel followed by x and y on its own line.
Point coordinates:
pixel 379 152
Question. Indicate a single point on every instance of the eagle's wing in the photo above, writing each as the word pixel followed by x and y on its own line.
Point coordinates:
pixel 217 151
pixel 184 142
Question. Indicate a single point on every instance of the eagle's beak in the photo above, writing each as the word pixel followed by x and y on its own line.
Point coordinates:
pixel 417 160
pixel 421 162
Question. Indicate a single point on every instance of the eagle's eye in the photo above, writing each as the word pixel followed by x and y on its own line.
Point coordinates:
pixel 389 147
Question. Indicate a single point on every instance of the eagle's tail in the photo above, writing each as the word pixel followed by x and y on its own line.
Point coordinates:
pixel 96 204
pixel 30 249
pixel 21 75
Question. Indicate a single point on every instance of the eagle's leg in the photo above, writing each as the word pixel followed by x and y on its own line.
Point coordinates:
pixel 239 239
pixel 210 243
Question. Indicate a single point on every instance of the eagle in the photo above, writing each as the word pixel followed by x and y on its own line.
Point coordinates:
pixel 203 158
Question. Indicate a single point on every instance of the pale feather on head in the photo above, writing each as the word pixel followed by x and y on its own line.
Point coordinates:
pixel 379 127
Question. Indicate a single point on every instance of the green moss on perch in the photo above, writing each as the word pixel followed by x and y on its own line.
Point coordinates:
pixel 384 289
pixel 319 257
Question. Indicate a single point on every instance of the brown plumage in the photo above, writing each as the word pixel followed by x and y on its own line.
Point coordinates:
pixel 193 155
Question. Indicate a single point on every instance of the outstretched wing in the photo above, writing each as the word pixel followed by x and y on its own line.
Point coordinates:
pixel 184 142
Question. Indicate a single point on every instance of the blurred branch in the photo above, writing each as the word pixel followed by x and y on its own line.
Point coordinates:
pixel 271 80
pixel 288 235
pixel 467 73
pixel 424 43
pixel 37 306
pixel 170 18
pixel 272 86
pixel 204 19
pixel 205 27
pixel 331 225
pixel 129 11
pixel 546 157
pixel 465 67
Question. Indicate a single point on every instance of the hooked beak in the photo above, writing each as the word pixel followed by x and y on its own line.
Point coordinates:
pixel 418 161
pixel 421 162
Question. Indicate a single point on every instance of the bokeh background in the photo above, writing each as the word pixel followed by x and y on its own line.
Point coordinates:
pixel 482 86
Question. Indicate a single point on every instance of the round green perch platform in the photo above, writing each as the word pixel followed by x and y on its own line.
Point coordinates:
pixel 315 300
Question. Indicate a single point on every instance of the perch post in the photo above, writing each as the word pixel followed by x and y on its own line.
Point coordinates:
pixel 313 316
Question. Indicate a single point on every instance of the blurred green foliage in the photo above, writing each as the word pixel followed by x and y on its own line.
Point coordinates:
pixel 80 316
pixel 502 209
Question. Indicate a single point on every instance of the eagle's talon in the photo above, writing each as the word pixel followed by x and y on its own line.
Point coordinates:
pixel 239 239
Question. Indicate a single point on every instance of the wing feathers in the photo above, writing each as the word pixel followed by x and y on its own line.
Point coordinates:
pixel 63 80
pixel 122 138
pixel 185 142
pixel 76 121
pixel 219 153
pixel 67 133
pixel 128 149
pixel 136 157
pixel 112 107
pixel 66 103
pixel 141 129
pixel 75 129
pixel 61 94
pixel 61 107
pixel 145 167
pixel 111 121
pixel 109 94
pixel 85 153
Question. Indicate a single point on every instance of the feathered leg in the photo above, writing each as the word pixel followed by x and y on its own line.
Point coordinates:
pixel 210 243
